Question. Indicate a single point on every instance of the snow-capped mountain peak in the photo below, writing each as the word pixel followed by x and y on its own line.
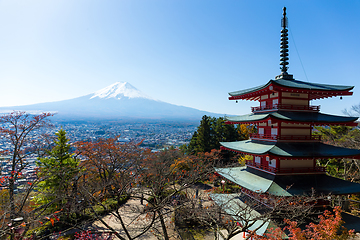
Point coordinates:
pixel 119 90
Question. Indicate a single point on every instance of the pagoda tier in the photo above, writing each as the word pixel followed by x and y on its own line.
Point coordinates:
pixel 289 125
pixel 292 88
pixel 287 185
pixel 312 119
pixel 284 158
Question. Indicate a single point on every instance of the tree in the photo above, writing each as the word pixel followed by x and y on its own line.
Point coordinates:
pixel 17 129
pixel 231 214
pixel 354 110
pixel 110 166
pixel 329 227
pixel 154 181
pixel 111 173
pixel 223 132
pixel 59 173
pixel 211 132
pixel 341 136
pixel 204 135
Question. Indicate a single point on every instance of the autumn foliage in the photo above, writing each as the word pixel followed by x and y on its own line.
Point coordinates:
pixel 329 227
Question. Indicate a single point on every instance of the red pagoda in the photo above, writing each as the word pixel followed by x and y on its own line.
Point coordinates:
pixel 284 150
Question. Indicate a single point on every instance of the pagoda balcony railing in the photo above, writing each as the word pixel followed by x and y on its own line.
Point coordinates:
pixel 264 136
pixel 285 170
pixel 287 107
pixel 285 137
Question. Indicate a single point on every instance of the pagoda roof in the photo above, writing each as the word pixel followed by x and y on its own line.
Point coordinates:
pixel 314 118
pixel 317 90
pixel 234 206
pixel 287 185
pixel 290 149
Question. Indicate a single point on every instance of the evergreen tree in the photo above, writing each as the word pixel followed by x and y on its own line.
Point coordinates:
pixel 211 132
pixel 204 134
pixel 58 172
pixel 223 132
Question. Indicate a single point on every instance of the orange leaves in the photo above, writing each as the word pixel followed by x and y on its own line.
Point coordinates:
pixel 329 227
pixel 51 220
pixel 58 211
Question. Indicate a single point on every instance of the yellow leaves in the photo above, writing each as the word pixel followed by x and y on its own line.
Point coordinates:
pixel 242 159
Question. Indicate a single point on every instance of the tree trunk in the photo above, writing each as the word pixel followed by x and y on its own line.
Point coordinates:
pixel 163 226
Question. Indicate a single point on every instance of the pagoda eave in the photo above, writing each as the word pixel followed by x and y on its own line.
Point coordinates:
pixel 275 120
pixel 279 116
pixel 272 87
pixel 278 185
pixel 315 150
pixel 287 157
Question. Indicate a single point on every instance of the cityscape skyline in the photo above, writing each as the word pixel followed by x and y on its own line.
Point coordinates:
pixel 187 53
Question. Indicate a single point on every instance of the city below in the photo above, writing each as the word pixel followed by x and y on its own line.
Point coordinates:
pixel 152 135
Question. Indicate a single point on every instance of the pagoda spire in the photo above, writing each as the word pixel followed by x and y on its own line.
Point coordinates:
pixel 284 55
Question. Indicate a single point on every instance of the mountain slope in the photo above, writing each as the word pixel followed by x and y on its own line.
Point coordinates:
pixel 117 101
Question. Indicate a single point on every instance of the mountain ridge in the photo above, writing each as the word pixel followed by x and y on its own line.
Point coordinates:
pixel 119 101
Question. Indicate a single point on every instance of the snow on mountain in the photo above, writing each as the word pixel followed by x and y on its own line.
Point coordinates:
pixel 118 101
pixel 119 90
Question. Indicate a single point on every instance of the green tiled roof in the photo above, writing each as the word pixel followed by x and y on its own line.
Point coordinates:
pixel 251 181
pixel 295 84
pixel 293 116
pixel 311 86
pixel 248 146
pixel 290 149
pixel 235 207
pixel 278 185
pixel 249 90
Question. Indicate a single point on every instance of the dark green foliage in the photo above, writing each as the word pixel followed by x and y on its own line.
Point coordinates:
pixel 210 133
pixel 341 136
pixel 58 173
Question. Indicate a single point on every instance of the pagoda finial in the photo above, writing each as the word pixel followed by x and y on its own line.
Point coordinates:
pixel 284 48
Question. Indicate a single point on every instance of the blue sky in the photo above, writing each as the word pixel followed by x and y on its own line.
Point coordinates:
pixel 185 52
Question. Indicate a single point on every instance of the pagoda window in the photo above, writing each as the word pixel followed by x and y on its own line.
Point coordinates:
pixel 263 104
pixel 272 163
pixel 275 102
pixel 262 124
pixel 274 131
pixel 261 131
pixel 258 160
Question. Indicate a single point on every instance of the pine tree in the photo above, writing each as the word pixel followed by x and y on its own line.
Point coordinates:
pixel 58 172
pixel 203 140
pixel 210 133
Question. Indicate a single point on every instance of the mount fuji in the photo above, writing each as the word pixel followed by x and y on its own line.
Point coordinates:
pixel 119 101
